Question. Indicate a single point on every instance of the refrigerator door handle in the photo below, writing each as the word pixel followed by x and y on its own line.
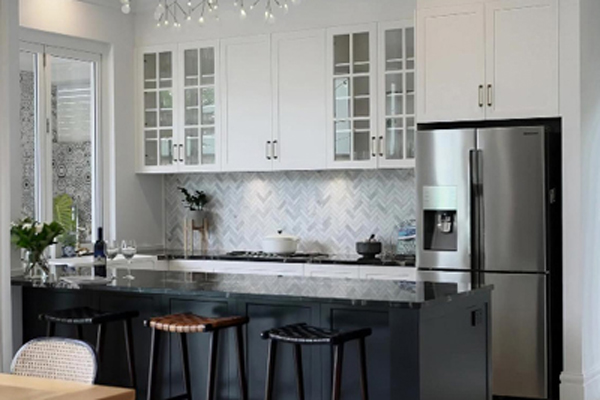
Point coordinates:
pixel 476 212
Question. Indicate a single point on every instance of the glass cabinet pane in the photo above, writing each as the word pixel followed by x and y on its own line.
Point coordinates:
pixel 360 49
pixel 410 48
pixel 410 137
pixel 191 67
pixel 410 93
pixel 191 107
pixel 207 66
pixel 393 50
pixel 151 148
pixel 166 147
pixel 208 146
pixel 342 98
pixel 341 54
pixel 342 144
pixel 192 156
pixel 394 138
pixel 165 70
pixel 393 94
pixel 362 140
pixel 149 71
pixel 361 97
pixel 208 106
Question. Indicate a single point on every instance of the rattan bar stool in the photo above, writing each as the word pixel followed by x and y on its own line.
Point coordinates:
pixel 80 316
pixel 303 334
pixel 191 323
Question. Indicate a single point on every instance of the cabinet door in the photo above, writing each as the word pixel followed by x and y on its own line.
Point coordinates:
pixel 396 117
pixel 199 142
pixel 299 99
pixel 352 138
pixel 522 59
pixel 246 104
pixel 450 63
pixel 158 148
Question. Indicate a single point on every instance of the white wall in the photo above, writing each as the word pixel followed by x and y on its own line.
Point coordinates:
pixel 309 14
pixel 136 199
pixel 10 169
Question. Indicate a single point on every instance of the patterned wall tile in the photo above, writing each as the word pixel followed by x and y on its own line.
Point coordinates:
pixel 329 210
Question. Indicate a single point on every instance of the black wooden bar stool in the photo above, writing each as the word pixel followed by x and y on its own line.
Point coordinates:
pixel 190 323
pixel 303 334
pixel 80 316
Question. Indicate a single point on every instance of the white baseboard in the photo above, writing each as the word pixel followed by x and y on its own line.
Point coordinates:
pixel 578 386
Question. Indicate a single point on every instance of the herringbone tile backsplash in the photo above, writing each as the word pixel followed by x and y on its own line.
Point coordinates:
pixel 328 210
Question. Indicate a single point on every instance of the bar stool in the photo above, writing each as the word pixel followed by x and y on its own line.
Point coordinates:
pixel 190 323
pixel 303 334
pixel 80 316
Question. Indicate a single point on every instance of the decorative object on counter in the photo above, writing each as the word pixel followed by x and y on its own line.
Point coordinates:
pixel 35 237
pixel 280 243
pixel 128 249
pixel 407 235
pixel 369 249
pixel 196 219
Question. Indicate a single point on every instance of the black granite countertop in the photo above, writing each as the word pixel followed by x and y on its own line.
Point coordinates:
pixel 347 291
pixel 340 259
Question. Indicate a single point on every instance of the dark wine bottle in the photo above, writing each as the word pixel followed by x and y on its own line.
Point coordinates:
pixel 100 255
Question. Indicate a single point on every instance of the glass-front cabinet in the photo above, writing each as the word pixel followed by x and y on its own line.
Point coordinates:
pixel 352 99
pixel 179 107
pixel 158 110
pixel 199 112
pixel 396 75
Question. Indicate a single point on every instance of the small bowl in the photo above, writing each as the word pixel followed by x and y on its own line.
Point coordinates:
pixel 368 249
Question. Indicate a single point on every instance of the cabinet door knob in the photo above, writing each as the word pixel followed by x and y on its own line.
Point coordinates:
pixel 268 150
pixel 481 96
pixel 490 95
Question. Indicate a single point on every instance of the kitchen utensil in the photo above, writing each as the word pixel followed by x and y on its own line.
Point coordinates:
pixel 280 243
pixel 369 248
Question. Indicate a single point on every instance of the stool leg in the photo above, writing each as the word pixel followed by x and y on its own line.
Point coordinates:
pixel 212 367
pixel 79 332
pixel 363 369
pixel 100 342
pixel 130 352
pixel 50 329
pixel 154 348
pixel 239 336
pixel 338 359
pixel 186 365
pixel 271 369
pixel 299 371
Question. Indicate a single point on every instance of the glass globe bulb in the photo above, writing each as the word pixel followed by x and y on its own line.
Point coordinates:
pixel 126 8
pixel 243 13
pixel 201 20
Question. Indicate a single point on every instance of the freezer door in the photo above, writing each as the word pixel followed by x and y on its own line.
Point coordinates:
pixel 443 202
pixel 519 335
pixel 512 170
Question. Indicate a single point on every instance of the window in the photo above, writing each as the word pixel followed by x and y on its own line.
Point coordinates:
pixel 59 139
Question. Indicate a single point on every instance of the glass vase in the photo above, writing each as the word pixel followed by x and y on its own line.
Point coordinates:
pixel 36 267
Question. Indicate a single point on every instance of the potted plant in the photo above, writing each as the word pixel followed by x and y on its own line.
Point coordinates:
pixel 35 237
pixel 195 204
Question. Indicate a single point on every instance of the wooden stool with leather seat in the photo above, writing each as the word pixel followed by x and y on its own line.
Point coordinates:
pixel 191 323
pixel 80 316
pixel 303 334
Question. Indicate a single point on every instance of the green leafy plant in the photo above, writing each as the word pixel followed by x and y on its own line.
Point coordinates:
pixel 196 201
pixel 34 236
pixel 63 212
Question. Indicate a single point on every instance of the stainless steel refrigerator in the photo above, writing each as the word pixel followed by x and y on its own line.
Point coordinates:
pixel 489 213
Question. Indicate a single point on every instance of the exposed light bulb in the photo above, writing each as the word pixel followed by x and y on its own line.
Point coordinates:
pixel 126 8
pixel 251 6
pixel 201 20
pixel 271 18
pixel 166 22
pixel 266 15
pixel 235 3
pixel 215 6
pixel 286 8
pixel 243 13
pixel 188 18
pixel 189 3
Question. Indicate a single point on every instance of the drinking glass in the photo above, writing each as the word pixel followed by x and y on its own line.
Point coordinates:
pixel 128 249
pixel 112 249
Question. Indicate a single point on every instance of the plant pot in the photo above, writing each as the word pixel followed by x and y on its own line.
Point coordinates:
pixel 198 216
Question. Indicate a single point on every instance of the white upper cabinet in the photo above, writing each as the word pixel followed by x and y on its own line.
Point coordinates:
pixel 396 76
pixel 492 60
pixel 199 139
pixel 299 101
pixel 158 150
pixel 522 59
pixel 246 104
pixel 352 98
pixel 451 63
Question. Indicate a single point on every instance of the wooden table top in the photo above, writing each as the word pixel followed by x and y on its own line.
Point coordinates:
pixel 15 387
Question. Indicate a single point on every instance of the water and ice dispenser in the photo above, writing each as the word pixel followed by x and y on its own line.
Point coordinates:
pixel 440 229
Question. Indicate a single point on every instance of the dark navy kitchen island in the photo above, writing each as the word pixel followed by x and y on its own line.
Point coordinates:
pixel 430 340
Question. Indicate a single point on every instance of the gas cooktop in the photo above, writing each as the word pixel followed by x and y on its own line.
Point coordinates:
pixel 263 255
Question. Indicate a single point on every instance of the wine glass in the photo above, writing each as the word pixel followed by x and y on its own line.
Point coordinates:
pixel 112 250
pixel 128 249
